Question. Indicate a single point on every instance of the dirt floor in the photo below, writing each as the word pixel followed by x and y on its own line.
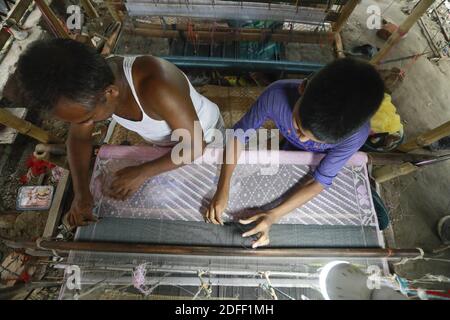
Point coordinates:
pixel 419 200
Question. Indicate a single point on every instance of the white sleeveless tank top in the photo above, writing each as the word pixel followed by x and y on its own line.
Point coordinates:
pixel 159 131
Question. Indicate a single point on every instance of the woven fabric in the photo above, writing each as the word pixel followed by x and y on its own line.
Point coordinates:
pixel 185 193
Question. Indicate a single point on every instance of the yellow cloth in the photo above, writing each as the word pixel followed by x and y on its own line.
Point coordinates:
pixel 386 119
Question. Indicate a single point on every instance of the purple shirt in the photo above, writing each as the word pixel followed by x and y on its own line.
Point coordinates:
pixel 276 103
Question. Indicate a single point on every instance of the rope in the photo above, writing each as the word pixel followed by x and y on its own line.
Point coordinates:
pixel 405 260
pixel 268 287
pixel 204 286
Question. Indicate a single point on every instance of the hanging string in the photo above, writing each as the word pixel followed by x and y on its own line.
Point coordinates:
pixel 204 286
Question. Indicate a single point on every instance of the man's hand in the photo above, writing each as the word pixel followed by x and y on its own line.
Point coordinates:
pixel 265 221
pixel 126 182
pixel 217 206
pixel 80 213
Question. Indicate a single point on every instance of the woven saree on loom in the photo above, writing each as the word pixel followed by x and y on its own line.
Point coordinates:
pixel 169 208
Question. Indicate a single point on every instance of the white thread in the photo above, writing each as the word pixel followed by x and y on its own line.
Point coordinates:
pixel 405 260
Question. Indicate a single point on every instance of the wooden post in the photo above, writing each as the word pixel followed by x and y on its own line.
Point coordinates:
pixel 52 20
pixel 344 15
pixel 389 172
pixel 89 8
pixel 426 138
pixel 338 45
pixel 403 29
pixel 25 127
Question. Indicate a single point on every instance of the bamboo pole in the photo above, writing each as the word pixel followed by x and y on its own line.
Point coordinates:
pixel 89 8
pixel 344 15
pixel 27 128
pixel 389 172
pixel 338 45
pixel 115 247
pixel 52 20
pixel 426 138
pixel 403 29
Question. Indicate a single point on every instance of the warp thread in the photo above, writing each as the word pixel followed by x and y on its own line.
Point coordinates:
pixel 139 274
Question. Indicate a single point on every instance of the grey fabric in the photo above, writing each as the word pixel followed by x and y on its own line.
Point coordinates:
pixel 201 233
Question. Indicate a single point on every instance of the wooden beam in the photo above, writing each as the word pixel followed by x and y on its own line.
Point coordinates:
pixel 403 29
pixel 303 37
pixel 89 9
pixel 344 15
pixel 118 247
pixel 388 172
pixel 426 138
pixel 27 128
pixel 52 20
pixel 55 211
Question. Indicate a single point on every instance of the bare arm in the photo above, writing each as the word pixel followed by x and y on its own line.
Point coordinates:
pixel 175 107
pixel 79 147
pixel 301 195
pixel 219 202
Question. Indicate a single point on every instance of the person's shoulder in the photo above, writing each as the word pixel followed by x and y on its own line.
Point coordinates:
pixel 358 138
pixel 285 84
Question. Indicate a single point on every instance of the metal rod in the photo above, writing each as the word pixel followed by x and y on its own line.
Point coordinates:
pixel 432 161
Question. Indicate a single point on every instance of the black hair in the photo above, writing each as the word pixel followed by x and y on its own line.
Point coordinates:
pixel 50 69
pixel 340 98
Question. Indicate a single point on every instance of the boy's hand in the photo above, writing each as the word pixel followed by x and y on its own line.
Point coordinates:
pixel 127 181
pixel 217 206
pixel 265 221
pixel 80 213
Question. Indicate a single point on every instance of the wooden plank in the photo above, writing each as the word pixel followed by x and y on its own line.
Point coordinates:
pixel 27 128
pixel 54 214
